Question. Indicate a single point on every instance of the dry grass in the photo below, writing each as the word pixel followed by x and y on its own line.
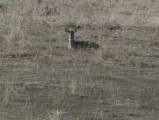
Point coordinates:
pixel 40 79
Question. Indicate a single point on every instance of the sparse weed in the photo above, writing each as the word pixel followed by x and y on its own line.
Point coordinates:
pixel 40 79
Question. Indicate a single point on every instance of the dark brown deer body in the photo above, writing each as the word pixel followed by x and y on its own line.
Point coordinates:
pixel 79 44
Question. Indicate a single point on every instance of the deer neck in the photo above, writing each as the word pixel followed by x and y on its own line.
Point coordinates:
pixel 71 41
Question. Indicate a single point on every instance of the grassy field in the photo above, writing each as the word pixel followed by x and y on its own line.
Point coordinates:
pixel 40 79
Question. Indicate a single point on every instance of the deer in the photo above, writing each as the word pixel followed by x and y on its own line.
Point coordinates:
pixel 79 44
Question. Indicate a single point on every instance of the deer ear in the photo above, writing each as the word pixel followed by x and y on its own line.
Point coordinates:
pixel 66 30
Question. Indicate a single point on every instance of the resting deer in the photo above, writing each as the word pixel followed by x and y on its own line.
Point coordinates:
pixel 79 44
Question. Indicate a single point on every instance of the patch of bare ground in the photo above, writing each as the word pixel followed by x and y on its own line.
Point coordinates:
pixel 40 79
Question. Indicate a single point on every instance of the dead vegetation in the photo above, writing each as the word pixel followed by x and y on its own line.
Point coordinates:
pixel 40 79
